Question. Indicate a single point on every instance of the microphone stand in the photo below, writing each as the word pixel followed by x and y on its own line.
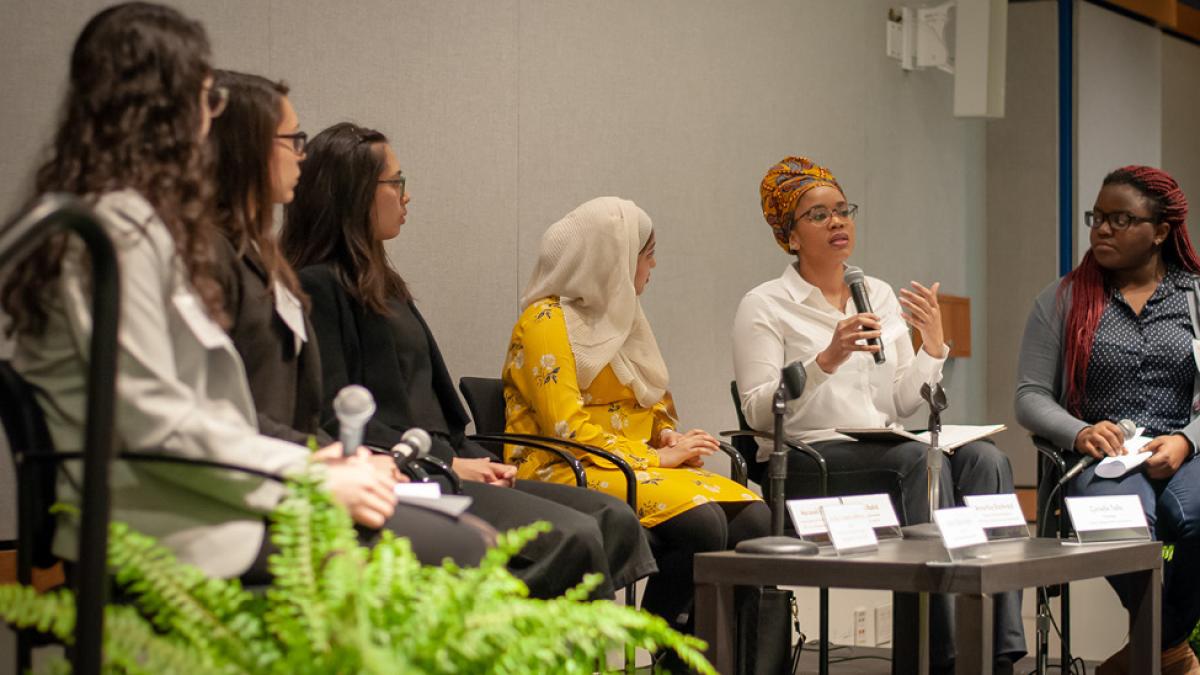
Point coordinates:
pixel 778 543
pixel 935 396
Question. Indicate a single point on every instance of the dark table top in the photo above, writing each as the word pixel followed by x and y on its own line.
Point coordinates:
pixel 903 565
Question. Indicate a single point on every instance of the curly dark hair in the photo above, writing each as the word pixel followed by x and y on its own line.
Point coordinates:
pixel 242 141
pixel 329 221
pixel 131 120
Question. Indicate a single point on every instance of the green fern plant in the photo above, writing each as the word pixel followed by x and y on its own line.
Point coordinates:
pixel 337 607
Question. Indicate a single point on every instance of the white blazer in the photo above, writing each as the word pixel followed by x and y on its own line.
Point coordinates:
pixel 181 390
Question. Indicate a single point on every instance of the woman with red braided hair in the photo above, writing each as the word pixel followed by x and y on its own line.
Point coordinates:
pixel 1116 339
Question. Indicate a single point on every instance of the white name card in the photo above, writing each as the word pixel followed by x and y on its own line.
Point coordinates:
pixel 960 527
pixel 418 490
pixel 997 510
pixel 1118 512
pixel 849 527
pixel 879 509
pixel 806 514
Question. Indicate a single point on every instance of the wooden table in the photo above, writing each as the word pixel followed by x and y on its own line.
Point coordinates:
pixel 902 566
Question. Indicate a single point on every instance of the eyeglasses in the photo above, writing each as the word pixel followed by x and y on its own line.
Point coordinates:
pixel 397 182
pixel 820 214
pixel 216 98
pixel 1118 220
pixel 298 139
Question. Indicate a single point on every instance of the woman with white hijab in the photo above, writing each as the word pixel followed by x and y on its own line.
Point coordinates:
pixel 583 364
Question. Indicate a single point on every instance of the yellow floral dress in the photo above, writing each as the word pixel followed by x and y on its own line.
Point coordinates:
pixel 542 396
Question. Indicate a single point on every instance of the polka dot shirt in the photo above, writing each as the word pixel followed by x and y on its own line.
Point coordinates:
pixel 1142 367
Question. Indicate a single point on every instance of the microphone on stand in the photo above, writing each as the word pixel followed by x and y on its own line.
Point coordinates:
pixel 791 385
pixel 1128 430
pixel 353 405
pixel 413 445
pixel 856 280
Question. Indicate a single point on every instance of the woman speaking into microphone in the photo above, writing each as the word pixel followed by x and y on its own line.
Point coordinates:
pixel 861 367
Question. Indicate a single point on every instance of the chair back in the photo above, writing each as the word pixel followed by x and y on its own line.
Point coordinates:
pixel 485 399
pixel 746 445
pixel 29 438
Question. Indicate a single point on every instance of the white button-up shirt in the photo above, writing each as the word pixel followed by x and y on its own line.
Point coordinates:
pixel 787 320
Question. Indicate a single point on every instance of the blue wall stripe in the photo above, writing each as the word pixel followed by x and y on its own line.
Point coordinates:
pixel 1066 133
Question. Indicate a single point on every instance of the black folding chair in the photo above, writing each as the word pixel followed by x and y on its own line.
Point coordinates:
pixel 1053 522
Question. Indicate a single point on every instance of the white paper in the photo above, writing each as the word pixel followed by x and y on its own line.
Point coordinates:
pixel 997 510
pixel 806 514
pixel 879 509
pixel 204 328
pixel 953 435
pixel 960 527
pixel 288 307
pixel 1091 514
pixel 1115 467
pixel 418 490
pixel 849 526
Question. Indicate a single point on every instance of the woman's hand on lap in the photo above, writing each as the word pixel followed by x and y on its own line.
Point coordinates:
pixel 1169 453
pixel 1100 440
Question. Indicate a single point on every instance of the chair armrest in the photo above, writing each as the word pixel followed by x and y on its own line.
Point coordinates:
pixel 1051 452
pixel 571 460
pixel 156 458
pixel 623 466
pixel 798 446
pixel 737 463
pixel 436 465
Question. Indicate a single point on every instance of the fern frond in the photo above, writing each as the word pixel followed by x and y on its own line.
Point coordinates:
pixel 51 612
pixel 208 613
pixel 132 646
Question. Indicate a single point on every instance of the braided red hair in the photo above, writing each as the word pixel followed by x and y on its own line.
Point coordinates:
pixel 1088 281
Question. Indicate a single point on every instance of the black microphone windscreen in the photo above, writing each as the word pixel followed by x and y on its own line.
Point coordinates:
pixel 794 379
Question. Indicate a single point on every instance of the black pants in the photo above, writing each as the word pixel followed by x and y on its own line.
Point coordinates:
pixel 593 532
pixel 978 468
pixel 434 536
pixel 712 526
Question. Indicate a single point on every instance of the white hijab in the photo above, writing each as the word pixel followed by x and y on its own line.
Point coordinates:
pixel 589 259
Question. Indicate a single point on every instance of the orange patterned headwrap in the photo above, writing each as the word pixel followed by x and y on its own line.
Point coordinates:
pixel 783 186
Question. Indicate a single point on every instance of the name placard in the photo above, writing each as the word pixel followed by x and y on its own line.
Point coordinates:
pixel 879 509
pixel 849 528
pixel 1109 518
pixel 960 527
pixel 1000 515
pixel 806 515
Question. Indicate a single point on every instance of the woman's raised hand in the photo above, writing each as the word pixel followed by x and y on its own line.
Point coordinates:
pixel 850 336
pixel 924 314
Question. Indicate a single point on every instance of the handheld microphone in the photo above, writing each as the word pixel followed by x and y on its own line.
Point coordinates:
pixel 1128 430
pixel 353 405
pixel 855 279
pixel 413 445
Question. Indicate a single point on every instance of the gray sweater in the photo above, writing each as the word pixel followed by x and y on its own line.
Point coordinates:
pixel 1041 396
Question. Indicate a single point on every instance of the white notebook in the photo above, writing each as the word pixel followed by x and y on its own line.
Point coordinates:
pixel 953 436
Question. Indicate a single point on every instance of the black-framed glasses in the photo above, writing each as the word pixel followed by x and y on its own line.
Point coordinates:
pixel 1118 220
pixel 216 98
pixel 820 214
pixel 397 182
pixel 299 139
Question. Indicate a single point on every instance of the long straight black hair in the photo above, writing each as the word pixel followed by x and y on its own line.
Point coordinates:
pixel 329 220
pixel 242 141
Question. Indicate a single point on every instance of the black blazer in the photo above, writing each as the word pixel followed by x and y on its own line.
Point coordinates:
pixel 358 347
pixel 285 385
